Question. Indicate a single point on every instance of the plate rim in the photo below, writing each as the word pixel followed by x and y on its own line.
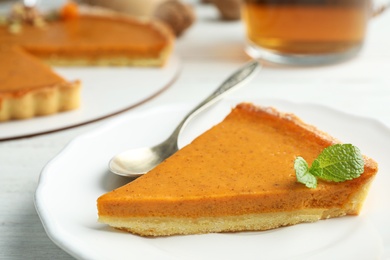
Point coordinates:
pixel 50 226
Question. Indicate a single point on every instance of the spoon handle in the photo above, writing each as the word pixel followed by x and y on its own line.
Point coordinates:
pixel 236 80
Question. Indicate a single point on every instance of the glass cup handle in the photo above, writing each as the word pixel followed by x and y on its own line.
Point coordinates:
pixel 379 8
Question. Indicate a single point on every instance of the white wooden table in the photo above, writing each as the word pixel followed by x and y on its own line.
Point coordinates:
pixel 209 52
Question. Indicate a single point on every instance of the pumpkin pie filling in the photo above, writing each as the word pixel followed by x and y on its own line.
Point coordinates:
pixel 92 38
pixel 238 171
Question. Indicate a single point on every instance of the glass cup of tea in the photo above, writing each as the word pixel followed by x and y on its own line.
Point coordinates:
pixel 306 32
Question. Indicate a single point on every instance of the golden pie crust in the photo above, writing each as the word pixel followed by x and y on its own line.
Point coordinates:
pixel 29 88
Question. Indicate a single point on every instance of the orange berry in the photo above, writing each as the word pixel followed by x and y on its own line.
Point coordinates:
pixel 70 10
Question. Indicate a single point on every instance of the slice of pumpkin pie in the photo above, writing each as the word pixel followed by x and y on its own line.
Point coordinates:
pixel 237 176
pixel 30 88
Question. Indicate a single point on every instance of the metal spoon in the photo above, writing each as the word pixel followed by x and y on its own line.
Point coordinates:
pixel 135 162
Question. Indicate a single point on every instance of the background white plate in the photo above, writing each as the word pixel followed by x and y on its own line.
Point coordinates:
pixel 71 183
pixel 106 91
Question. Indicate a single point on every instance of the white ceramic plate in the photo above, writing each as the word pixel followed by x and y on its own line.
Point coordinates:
pixel 106 91
pixel 72 181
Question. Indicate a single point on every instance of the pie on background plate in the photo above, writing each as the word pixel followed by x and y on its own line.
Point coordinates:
pixel 91 37
pixel 99 101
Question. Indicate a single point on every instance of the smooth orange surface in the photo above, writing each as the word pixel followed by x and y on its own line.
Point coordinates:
pixel 20 72
pixel 243 165
pixel 89 36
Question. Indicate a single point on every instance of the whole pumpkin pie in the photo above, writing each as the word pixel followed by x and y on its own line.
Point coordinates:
pixel 92 37
pixel 237 176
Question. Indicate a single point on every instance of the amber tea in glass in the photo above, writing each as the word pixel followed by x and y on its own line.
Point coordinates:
pixel 305 31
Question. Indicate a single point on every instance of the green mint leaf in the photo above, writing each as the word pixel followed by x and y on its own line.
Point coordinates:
pixel 303 174
pixel 316 169
pixel 339 162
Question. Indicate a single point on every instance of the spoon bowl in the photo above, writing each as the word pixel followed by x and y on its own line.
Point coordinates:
pixel 136 162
